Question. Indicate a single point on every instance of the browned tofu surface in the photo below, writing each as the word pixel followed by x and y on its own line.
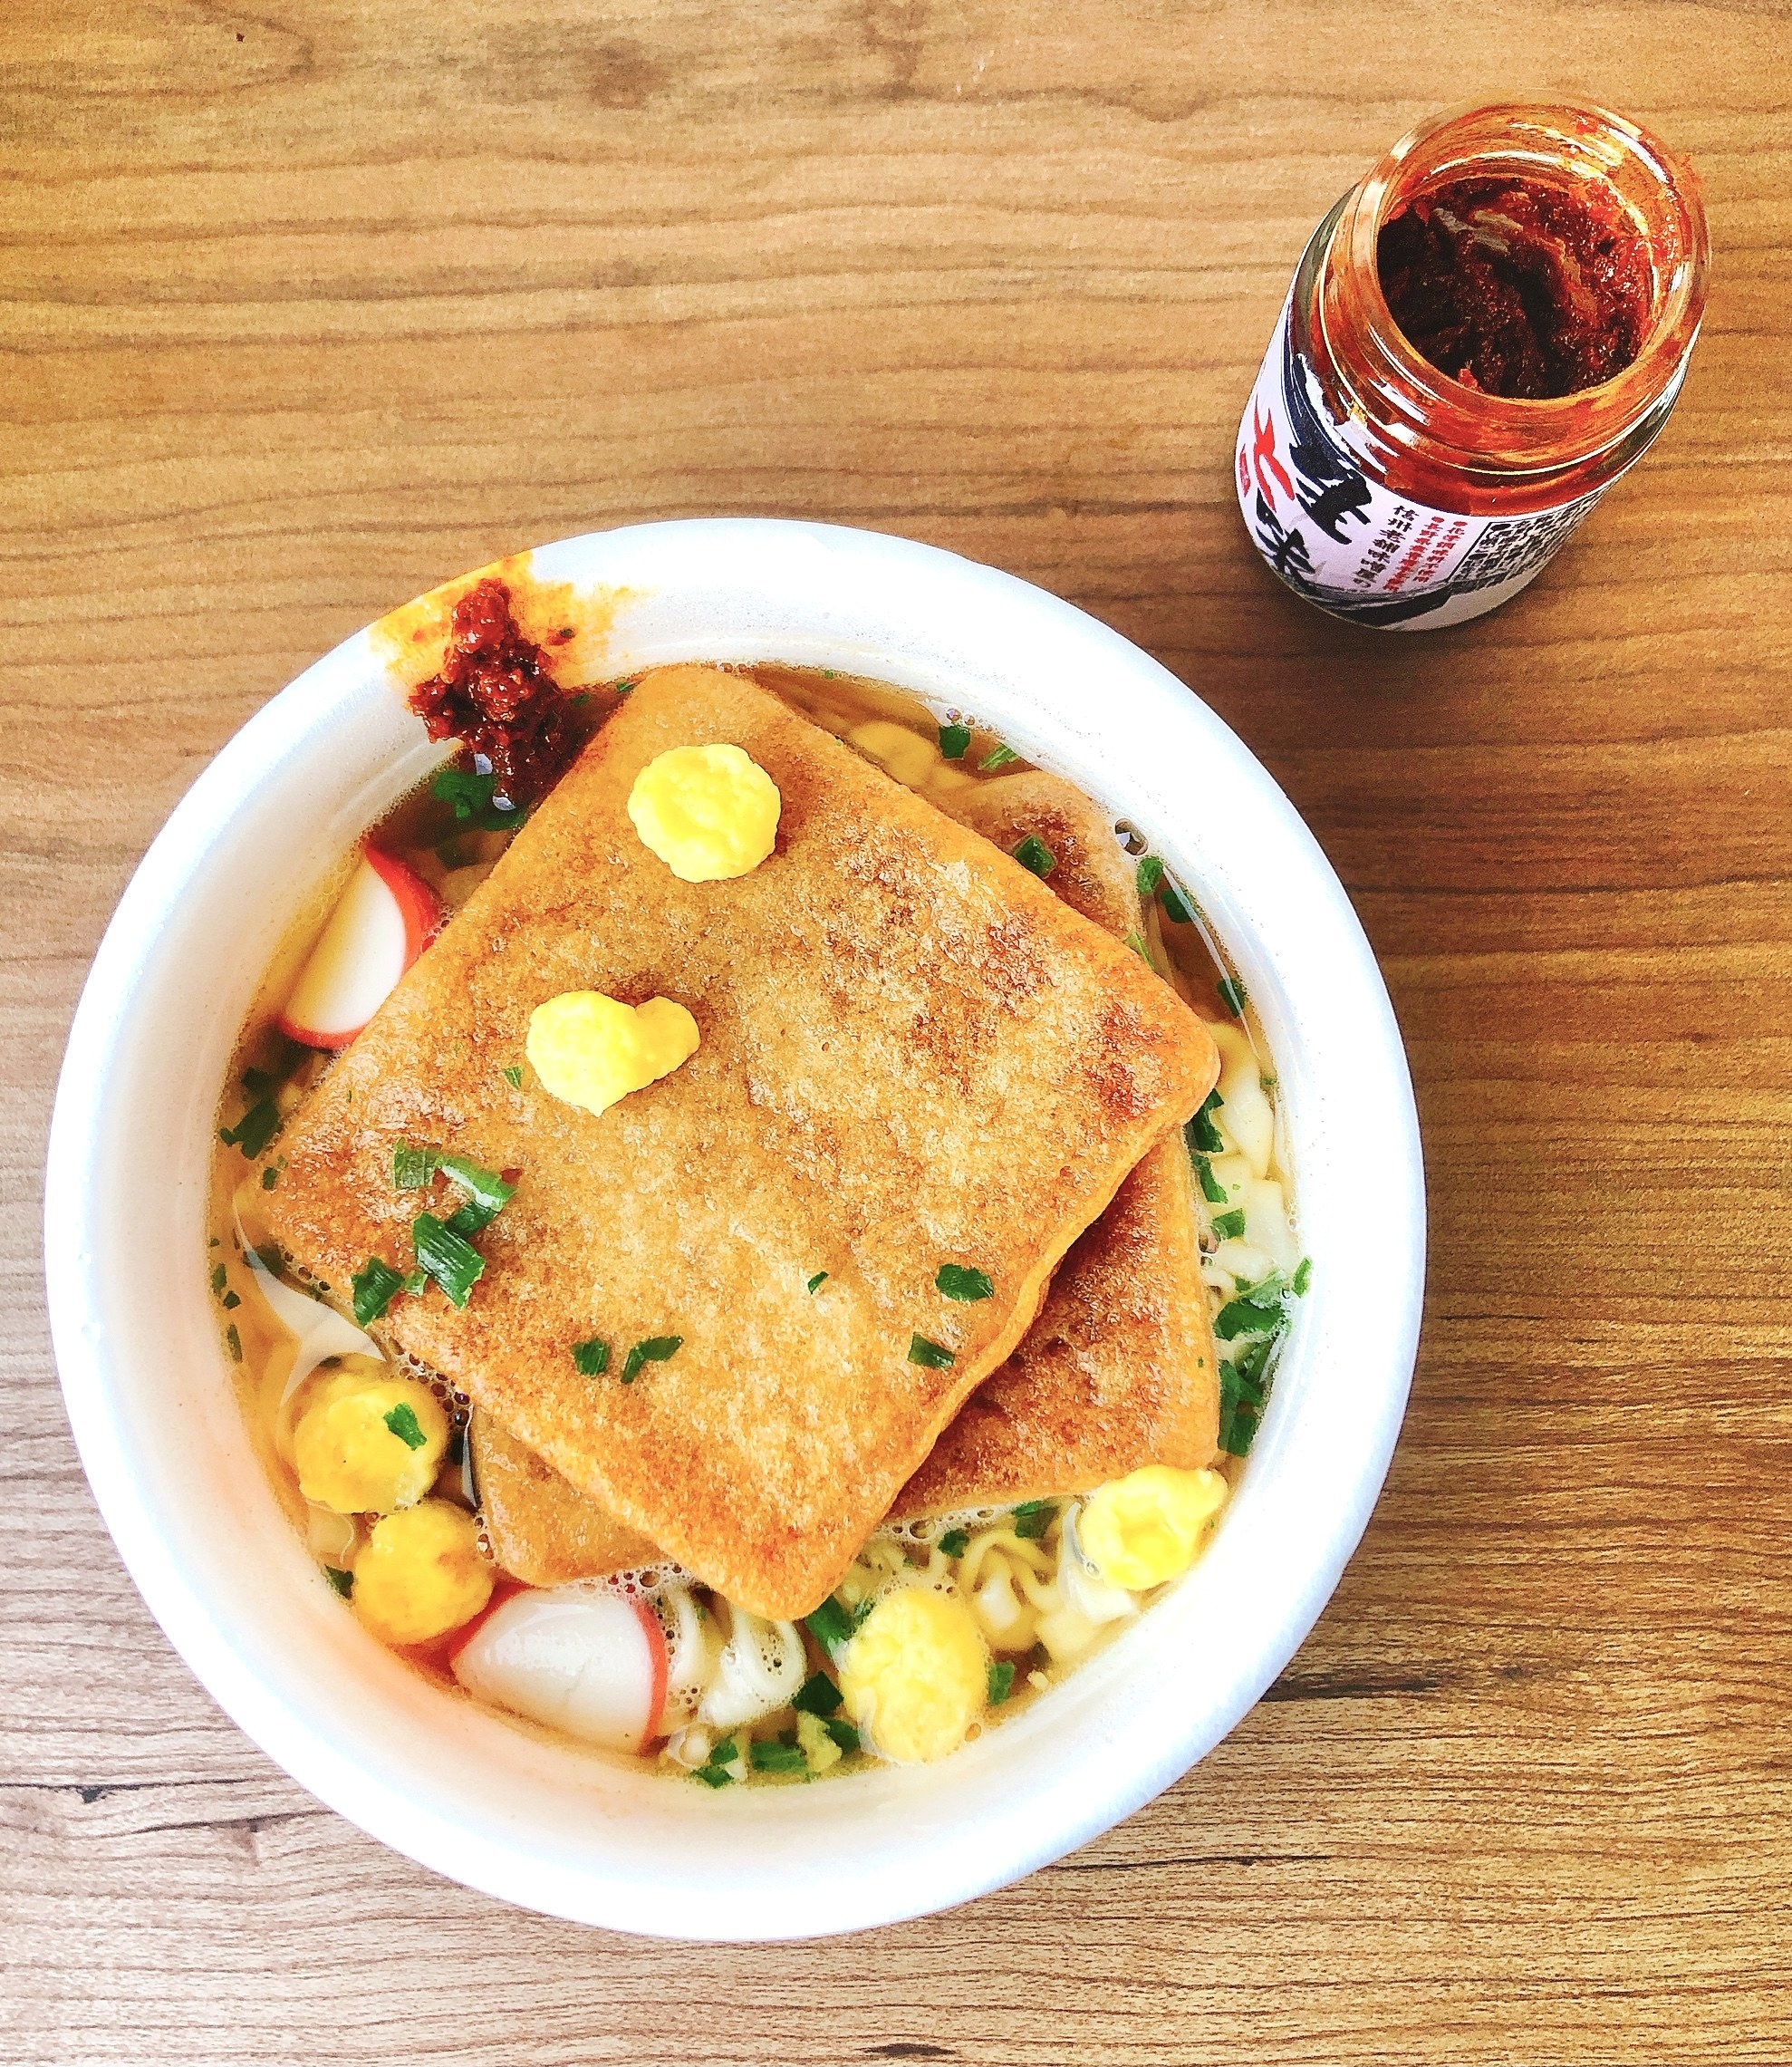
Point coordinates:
pixel 912 1054
pixel 1118 1370
pixel 543 1528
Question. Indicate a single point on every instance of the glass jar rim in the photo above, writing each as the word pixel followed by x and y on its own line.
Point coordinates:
pixel 1531 139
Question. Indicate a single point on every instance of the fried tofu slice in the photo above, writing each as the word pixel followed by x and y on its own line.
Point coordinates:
pixel 911 1054
pixel 544 1530
pixel 1119 1369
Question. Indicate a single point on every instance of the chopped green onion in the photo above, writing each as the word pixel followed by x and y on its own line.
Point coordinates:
pixel 1256 1309
pixel 270 1177
pixel 1151 873
pixel 817 1696
pixel 714 1771
pixel 1136 941
pixel 220 1277
pixel 403 1423
pixel 818 1281
pixel 766 1755
pixel 270 1257
pixel 512 1076
pixel 475 800
pixel 590 1359
pixel 1176 907
pixel 953 741
pixel 1302 1276
pixel 955 1543
pixel 999 758
pixel 1241 1406
pixel 655 1349
pixel 1232 996
pixel 230 1301
pixel 713 1775
pixel 1032 1518
pixel 959 1281
pixel 342 1581
pixel 414 1166
pixel 1001 1682
pixel 831 1626
pixel 455 1265
pixel 449 855
pixel 417 1282
pixel 929 1355
pixel 255 1130
pixel 234 1342
pixel 488 1194
pixel 1212 1190
pixel 376 1286
pixel 1035 854
pixel 1201 1132
pixel 842 1732
pixel 1227 1225
pixel 623 688
pixel 257 1083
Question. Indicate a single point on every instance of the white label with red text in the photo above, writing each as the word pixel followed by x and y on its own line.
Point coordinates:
pixel 1330 529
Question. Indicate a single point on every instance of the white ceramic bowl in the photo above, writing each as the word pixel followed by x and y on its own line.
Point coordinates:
pixel 463 1792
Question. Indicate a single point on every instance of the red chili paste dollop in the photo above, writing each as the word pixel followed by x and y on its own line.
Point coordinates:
pixel 496 695
pixel 1517 287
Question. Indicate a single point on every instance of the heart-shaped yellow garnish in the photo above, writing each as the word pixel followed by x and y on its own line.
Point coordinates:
pixel 591 1050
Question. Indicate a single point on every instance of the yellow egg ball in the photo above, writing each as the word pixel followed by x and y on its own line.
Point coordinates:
pixel 367 1445
pixel 917 1674
pixel 707 812
pixel 420 1573
pixel 591 1050
pixel 1146 1528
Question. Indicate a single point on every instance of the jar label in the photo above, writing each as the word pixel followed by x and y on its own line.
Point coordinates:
pixel 1337 536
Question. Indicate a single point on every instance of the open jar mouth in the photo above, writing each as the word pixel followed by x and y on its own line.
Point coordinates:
pixel 1549 145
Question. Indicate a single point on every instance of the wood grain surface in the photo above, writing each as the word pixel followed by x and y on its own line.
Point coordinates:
pixel 305 304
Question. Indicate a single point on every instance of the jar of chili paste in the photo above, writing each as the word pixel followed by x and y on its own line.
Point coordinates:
pixel 1480 339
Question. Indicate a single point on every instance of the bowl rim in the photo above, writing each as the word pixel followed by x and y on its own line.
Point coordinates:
pixel 1137 1730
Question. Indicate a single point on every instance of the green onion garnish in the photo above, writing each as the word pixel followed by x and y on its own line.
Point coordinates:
pixel 1257 1309
pixel 376 1286
pixel 1032 1518
pixel 414 1166
pixel 475 800
pixel 1035 854
pixel 766 1755
pixel 1227 1225
pixel 1240 1407
pixel 1151 873
pixel 255 1130
pixel 953 741
pixel 955 1543
pixel 831 1626
pixel 1302 1276
pixel 590 1359
pixel 959 1281
pixel 488 1194
pixel 1136 941
pixel 842 1732
pixel 234 1343
pixel 929 1354
pixel 817 1696
pixel 403 1423
pixel 1201 1132
pixel 714 1771
pixel 1001 1682
pixel 655 1349
pixel 1176 906
pixel 270 1177
pixel 999 758
pixel 818 1281
pixel 1212 1190
pixel 1232 996
pixel 342 1581
pixel 512 1076
pixel 257 1083
pixel 455 1265
pixel 230 1301
pixel 220 1277
pixel 713 1775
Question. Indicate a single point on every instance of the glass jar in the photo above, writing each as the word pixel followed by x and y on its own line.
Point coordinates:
pixel 1394 494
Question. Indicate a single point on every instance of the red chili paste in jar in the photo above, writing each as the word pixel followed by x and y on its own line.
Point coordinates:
pixel 496 695
pixel 1518 287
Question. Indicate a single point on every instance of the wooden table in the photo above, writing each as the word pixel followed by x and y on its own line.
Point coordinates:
pixel 309 304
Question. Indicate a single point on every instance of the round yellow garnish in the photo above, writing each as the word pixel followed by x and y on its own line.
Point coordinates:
pixel 591 1050
pixel 1145 1528
pixel 422 1574
pixel 917 1674
pixel 365 1446
pixel 707 812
